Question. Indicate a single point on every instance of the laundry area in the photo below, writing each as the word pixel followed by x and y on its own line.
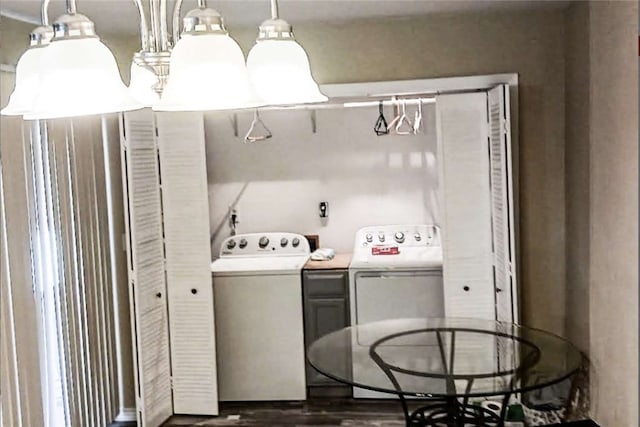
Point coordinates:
pixel 363 209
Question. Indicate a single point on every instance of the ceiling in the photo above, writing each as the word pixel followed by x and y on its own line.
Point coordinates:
pixel 121 17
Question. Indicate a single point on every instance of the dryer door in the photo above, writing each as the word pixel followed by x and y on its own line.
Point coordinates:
pixel 381 295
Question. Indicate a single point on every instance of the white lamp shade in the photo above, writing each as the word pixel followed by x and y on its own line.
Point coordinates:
pixel 80 78
pixel 280 72
pixel 141 85
pixel 207 72
pixel 27 79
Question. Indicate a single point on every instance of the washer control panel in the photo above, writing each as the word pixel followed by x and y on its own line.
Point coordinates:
pixel 255 244
pixel 396 236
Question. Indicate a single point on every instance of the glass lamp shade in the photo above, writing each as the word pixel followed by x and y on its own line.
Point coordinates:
pixel 280 72
pixel 141 85
pixel 207 72
pixel 80 77
pixel 27 78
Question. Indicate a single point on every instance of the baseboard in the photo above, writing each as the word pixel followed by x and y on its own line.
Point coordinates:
pixel 126 415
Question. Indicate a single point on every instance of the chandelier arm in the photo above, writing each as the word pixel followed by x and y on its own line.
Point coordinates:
pixel 44 12
pixel 274 9
pixel 164 33
pixel 176 21
pixel 71 7
pixel 155 25
pixel 144 28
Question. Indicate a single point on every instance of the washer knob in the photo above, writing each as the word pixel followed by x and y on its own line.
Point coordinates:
pixel 231 244
pixel 263 242
pixel 284 242
pixel 417 237
pixel 295 242
pixel 243 243
pixel 399 237
pixel 369 238
pixel 381 237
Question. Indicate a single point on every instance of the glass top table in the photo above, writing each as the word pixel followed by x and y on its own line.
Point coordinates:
pixel 446 360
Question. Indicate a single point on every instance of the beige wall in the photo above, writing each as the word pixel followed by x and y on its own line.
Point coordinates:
pixel 614 212
pixel 14 39
pixel 529 43
pixel 577 172
pixel 602 215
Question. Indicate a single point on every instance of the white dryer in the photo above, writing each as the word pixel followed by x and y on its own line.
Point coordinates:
pixel 395 272
pixel 258 311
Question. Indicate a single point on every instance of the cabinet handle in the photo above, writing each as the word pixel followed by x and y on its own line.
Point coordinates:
pixel 194 291
pixel 498 290
pixel 466 288
pixel 159 295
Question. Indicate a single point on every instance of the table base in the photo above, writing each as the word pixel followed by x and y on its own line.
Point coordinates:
pixel 451 413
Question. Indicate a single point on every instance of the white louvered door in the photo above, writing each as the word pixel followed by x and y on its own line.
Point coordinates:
pixel 502 210
pixel 188 259
pixel 147 284
pixel 461 121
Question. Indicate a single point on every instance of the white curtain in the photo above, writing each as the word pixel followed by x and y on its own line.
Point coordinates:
pixel 69 281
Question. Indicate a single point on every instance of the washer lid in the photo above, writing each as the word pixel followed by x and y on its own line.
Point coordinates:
pixel 258 265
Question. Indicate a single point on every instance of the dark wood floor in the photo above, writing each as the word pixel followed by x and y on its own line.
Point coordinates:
pixel 314 412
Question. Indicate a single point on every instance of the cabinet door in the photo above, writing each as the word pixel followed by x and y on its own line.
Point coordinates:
pixel 323 316
pixel 326 309
pixel 465 193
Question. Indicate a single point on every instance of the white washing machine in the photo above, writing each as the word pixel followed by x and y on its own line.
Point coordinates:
pixel 395 272
pixel 258 311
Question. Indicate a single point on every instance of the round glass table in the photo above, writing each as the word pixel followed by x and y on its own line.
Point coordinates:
pixel 447 362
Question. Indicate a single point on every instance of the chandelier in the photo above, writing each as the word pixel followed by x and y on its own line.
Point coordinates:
pixel 67 71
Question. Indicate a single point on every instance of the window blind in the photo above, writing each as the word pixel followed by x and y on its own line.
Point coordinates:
pixel 68 279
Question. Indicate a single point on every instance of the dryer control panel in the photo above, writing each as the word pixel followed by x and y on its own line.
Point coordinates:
pixel 397 246
pixel 396 236
pixel 256 244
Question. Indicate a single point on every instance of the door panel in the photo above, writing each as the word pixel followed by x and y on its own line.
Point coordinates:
pixel 185 206
pixel 465 192
pixel 502 205
pixel 145 246
pixel 392 295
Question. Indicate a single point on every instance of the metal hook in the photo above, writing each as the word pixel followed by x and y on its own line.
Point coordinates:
pixel 314 121
pixel 381 127
pixel 257 122
pixel 234 123
pixel 404 121
pixel 417 121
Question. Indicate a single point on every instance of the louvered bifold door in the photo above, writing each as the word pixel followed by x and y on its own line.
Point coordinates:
pixel 188 257
pixel 502 206
pixel 147 283
pixel 461 121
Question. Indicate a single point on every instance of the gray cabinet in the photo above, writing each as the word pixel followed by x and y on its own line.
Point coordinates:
pixel 326 309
